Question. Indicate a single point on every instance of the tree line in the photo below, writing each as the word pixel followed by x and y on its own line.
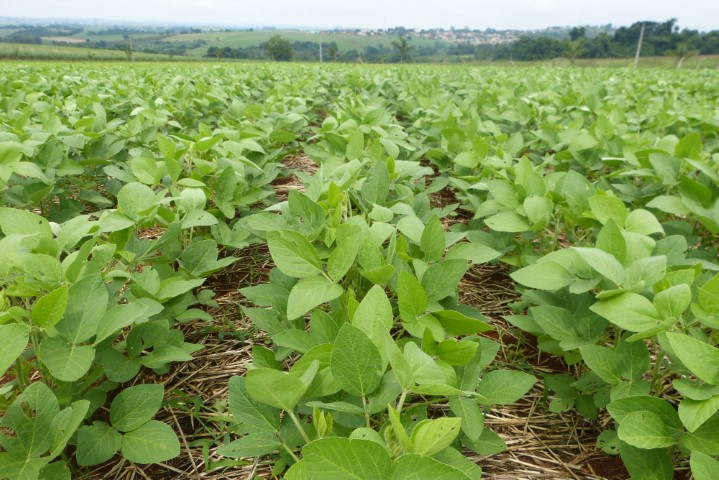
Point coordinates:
pixel 660 39
pixel 279 49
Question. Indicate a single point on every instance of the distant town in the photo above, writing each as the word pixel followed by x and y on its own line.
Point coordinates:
pixel 466 35
pixel 83 39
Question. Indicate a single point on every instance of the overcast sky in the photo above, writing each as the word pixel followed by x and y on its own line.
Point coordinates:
pixel 500 14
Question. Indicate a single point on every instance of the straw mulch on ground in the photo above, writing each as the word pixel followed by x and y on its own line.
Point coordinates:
pixel 541 445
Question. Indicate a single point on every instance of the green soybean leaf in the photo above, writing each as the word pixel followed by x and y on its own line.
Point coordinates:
pixel 412 299
pixel 30 419
pixel 645 272
pixel 695 390
pixel 672 302
pixel 118 367
pixel 97 443
pixel 412 227
pixel 560 324
pixel 135 200
pixel 611 240
pixel 538 210
pixel 471 414
pixel 700 358
pixel 603 262
pixel 374 309
pixel 603 361
pixel 432 242
pixel 49 309
pixel 654 464
pixel 634 357
pixel 14 221
pixel 356 363
pixel 473 252
pixel 441 279
pixel 311 214
pixel 56 471
pixel 15 337
pixel 86 306
pixel 310 292
pixel 343 256
pixel 333 458
pixel 644 429
pixel 577 140
pixel 14 466
pixel 153 442
pixel 669 204
pixel 489 443
pixel 355 146
pixel 338 407
pixel 507 222
pixel 629 311
pixel 704 439
pixel 200 259
pixel 376 186
pixel 364 433
pixel 694 413
pixel 380 275
pixel 274 388
pixel 432 436
pixel 503 387
pixel 66 362
pixel 298 471
pixel 644 222
pixel 135 406
pixel 619 409
pixel 457 324
pixel 456 353
pixel 397 432
pixel 703 466
pixel 250 414
pixel 65 424
pixel 124 314
pixel 10 152
pixel 419 467
pixel 293 254
pixel 543 276
pixel 427 370
pixel 605 208
pixel 252 445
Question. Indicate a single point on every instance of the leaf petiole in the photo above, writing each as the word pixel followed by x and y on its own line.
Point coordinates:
pixel 297 423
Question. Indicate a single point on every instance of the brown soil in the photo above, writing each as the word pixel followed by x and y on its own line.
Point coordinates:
pixel 541 445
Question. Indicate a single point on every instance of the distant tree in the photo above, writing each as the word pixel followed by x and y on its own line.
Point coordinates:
pixel 403 48
pixel 575 49
pixel 576 33
pixel 214 52
pixel 128 47
pixel 333 51
pixel 227 52
pixel 279 49
pixel 681 53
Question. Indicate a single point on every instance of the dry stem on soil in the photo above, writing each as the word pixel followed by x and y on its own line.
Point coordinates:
pixel 541 445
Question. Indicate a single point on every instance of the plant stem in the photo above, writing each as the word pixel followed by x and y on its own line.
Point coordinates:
pixel 655 372
pixel 365 405
pixel 297 423
pixel 289 450
pixel 19 374
pixel 400 403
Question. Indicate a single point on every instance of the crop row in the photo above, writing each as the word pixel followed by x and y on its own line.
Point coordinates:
pixel 124 188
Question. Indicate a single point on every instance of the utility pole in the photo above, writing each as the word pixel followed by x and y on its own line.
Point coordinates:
pixel 639 46
pixel 320 48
